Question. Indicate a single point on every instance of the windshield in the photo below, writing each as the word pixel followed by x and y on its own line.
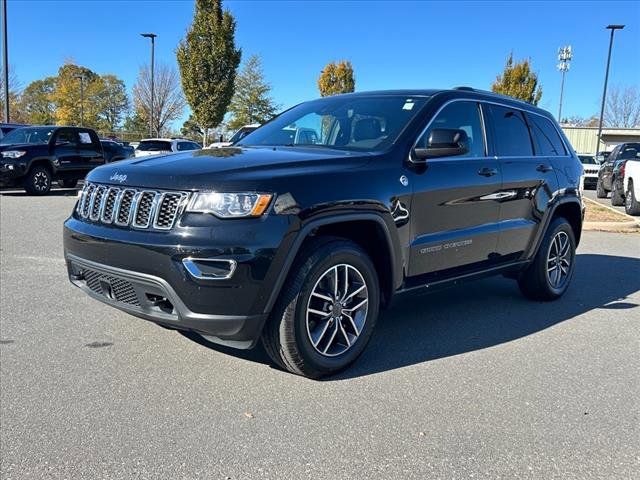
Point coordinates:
pixel 154 146
pixel 37 135
pixel 240 134
pixel 588 159
pixel 358 123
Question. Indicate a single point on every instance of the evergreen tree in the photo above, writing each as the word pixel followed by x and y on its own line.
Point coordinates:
pixel 251 102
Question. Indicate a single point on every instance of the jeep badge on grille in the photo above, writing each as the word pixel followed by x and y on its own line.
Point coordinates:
pixel 118 177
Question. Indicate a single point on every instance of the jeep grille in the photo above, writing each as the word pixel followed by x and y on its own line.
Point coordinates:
pixel 130 207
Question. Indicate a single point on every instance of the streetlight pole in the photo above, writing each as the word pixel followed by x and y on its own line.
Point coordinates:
pixel 81 78
pixel 152 36
pixel 613 28
pixel 564 56
pixel 5 62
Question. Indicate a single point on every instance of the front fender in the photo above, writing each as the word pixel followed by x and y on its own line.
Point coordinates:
pixel 292 244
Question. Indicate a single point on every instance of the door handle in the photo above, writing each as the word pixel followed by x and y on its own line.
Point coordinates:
pixel 488 172
pixel 544 168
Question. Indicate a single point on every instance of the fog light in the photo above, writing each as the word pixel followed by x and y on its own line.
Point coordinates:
pixel 210 268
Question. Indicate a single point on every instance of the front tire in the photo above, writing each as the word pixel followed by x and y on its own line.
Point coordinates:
pixel 38 181
pixel 549 275
pixel 600 191
pixel 631 204
pixel 327 309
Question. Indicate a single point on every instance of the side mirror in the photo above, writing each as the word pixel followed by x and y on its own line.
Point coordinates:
pixel 443 142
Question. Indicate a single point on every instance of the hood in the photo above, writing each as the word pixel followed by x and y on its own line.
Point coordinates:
pixel 24 146
pixel 225 167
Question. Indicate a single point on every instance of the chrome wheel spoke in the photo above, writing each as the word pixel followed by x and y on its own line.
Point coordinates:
pixel 559 260
pixel 361 304
pixel 333 336
pixel 354 293
pixel 353 324
pixel 321 296
pixel 319 312
pixel 344 334
pixel 320 336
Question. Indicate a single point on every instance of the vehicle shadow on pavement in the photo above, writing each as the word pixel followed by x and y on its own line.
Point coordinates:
pixel 477 315
pixel 490 312
pixel 63 192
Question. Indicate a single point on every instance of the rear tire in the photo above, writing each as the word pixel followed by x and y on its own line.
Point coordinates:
pixel 600 191
pixel 631 204
pixel 38 181
pixel 68 183
pixel 549 275
pixel 316 328
pixel 617 197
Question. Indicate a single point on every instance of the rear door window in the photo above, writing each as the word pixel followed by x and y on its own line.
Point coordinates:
pixel 67 138
pixel 154 146
pixel 545 137
pixel 510 131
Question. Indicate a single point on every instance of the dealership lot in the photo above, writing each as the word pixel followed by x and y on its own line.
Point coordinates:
pixel 473 380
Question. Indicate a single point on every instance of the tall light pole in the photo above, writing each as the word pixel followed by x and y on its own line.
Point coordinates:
pixel 152 36
pixel 564 57
pixel 5 62
pixel 81 78
pixel 613 28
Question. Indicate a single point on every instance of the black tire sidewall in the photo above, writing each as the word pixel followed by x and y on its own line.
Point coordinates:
pixel 31 184
pixel 357 258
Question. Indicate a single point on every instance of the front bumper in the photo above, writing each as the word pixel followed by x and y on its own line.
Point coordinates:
pixel 142 273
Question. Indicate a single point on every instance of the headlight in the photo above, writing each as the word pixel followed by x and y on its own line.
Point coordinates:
pixel 230 205
pixel 13 153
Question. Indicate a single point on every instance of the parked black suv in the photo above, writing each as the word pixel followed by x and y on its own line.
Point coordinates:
pixel 115 151
pixel 301 244
pixel 611 172
pixel 33 157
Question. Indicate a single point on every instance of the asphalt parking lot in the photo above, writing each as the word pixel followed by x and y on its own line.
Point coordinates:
pixel 591 194
pixel 470 382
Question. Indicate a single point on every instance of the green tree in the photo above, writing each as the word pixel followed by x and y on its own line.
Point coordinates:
pixel 191 129
pixel 336 78
pixel 518 81
pixel 114 102
pixel 37 103
pixel 208 61
pixel 136 124
pixel 251 102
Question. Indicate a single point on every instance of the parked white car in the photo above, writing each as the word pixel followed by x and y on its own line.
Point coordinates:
pixel 236 137
pixel 632 186
pixel 591 167
pixel 157 146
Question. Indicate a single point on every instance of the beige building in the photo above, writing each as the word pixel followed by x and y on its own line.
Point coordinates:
pixel 584 139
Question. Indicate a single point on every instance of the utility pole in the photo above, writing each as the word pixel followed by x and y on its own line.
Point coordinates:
pixel 5 62
pixel 152 36
pixel 564 56
pixel 613 28
pixel 81 78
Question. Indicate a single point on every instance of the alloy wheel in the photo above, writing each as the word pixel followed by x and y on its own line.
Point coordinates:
pixel 41 181
pixel 559 260
pixel 337 310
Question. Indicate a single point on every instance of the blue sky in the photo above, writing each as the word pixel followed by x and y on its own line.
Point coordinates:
pixel 392 44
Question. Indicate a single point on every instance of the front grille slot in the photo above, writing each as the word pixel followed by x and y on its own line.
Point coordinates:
pixel 124 207
pixel 129 207
pixel 166 214
pixel 144 208
pixel 112 287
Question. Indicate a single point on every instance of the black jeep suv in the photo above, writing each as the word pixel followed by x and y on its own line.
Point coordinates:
pixel 33 157
pixel 300 240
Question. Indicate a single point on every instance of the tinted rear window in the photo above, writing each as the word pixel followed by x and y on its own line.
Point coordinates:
pixel 511 133
pixel 154 146
pixel 545 137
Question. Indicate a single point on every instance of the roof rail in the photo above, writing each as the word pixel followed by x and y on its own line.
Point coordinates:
pixel 468 89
